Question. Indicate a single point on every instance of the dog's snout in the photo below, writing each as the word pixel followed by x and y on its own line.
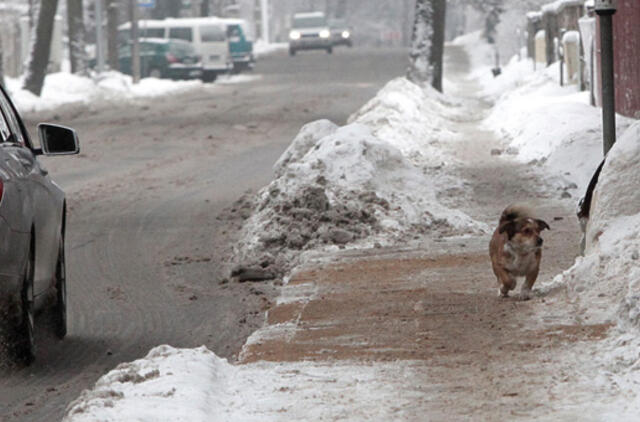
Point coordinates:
pixel 539 241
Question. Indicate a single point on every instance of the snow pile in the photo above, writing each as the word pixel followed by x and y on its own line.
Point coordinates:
pixel 195 385
pixel 66 88
pixel 412 119
pixel 164 385
pixel 546 124
pixel 606 281
pixel 369 182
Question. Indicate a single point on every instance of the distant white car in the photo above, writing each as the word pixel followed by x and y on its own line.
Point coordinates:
pixel 310 31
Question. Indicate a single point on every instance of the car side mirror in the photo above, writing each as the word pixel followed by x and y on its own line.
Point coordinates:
pixel 58 140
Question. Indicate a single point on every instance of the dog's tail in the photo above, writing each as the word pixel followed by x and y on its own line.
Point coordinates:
pixel 515 212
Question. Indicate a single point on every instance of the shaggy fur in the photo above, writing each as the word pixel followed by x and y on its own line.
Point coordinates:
pixel 516 249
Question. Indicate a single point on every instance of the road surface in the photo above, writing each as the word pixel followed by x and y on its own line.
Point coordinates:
pixel 144 242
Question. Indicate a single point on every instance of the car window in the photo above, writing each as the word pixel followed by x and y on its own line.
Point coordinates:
pixel 212 33
pixel 153 32
pixel 309 22
pixel 11 120
pixel 181 33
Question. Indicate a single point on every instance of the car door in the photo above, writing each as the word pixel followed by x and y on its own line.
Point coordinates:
pixel 42 198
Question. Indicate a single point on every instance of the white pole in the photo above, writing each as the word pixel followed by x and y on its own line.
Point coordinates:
pixel 264 9
pixel 99 37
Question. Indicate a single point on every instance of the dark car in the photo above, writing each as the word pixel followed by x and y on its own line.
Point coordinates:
pixel 163 58
pixel 32 230
pixel 341 34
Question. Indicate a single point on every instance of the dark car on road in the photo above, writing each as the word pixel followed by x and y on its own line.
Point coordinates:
pixel 163 58
pixel 341 34
pixel 32 230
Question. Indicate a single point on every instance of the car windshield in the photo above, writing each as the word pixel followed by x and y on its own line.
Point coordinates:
pixel 309 22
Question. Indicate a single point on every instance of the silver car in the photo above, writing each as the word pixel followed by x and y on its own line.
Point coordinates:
pixel 32 229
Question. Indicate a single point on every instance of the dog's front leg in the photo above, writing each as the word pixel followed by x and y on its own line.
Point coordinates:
pixel 525 291
pixel 506 282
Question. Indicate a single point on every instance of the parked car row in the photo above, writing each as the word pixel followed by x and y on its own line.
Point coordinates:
pixel 312 31
pixel 220 46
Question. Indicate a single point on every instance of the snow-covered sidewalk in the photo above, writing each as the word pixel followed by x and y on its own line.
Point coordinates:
pixel 390 311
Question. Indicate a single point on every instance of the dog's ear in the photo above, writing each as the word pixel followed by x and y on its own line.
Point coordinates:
pixel 509 227
pixel 542 225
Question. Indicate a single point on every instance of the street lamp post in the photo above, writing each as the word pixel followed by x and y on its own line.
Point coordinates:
pixel 605 10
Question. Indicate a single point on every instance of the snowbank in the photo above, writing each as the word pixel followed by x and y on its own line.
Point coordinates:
pixel 373 181
pixel 194 385
pixel 605 283
pixel 66 88
pixel 547 125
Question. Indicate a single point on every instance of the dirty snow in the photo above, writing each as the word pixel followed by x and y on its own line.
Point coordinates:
pixel 372 181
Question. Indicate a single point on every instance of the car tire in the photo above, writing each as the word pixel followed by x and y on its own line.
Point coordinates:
pixel 24 346
pixel 330 50
pixel 60 307
pixel 209 77
pixel 292 52
pixel 155 73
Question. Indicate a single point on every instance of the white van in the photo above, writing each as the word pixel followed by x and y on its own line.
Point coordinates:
pixel 208 36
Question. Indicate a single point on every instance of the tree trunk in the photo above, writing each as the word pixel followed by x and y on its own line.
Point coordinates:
pixel 427 43
pixel 112 34
pixel 41 47
pixel 75 22
pixel 437 42
pixel 205 8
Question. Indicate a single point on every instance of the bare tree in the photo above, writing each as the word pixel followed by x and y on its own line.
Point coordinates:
pixel 75 22
pixel 41 47
pixel 427 43
pixel 112 34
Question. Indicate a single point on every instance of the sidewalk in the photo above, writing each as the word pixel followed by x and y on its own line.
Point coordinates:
pixel 435 307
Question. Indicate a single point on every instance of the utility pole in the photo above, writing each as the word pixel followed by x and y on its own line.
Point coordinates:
pixel 135 42
pixel 99 38
pixel 605 10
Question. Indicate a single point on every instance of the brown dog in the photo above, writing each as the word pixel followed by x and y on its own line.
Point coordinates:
pixel 515 249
